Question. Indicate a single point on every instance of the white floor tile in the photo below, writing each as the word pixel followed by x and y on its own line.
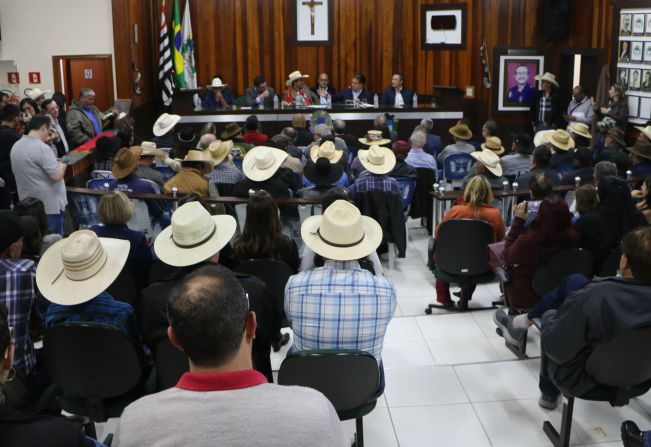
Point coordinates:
pixel 597 422
pixel 405 354
pixel 484 319
pixel 463 350
pixel 448 327
pixel 415 306
pixel 425 385
pixel 403 329
pixel 486 382
pixel 440 426
pixel 378 429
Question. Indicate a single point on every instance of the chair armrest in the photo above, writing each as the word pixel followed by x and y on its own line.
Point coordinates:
pixel 431 248
pixel 502 275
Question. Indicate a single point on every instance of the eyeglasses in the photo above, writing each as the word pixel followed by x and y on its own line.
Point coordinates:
pixel 325 80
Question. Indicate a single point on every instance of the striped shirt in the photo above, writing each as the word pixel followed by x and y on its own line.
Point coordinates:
pixel 339 306
pixel 545 112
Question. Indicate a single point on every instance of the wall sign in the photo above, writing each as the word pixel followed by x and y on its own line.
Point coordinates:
pixel 34 77
pixel 13 77
pixel 443 26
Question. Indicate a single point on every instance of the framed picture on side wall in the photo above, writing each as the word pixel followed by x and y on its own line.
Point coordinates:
pixel 517 69
pixel 647 29
pixel 636 51
pixel 625 24
pixel 638 24
pixel 443 26
pixel 633 106
pixel 647 51
pixel 622 77
pixel 646 80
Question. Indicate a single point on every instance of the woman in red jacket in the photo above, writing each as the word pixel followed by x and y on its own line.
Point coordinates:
pixel 477 204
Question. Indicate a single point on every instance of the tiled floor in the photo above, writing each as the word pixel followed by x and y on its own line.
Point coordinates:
pixel 451 382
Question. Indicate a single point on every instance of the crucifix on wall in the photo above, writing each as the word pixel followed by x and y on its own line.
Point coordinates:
pixel 313 22
pixel 312 5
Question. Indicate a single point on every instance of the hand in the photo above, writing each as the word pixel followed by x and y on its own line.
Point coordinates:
pixel 264 94
pixel 636 194
pixel 604 110
pixel 570 118
pixel 218 94
pixel 322 92
pixel 521 210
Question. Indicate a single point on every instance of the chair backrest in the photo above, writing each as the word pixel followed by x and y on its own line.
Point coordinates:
pixel 611 264
pixel 141 221
pixel 167 172
pixel 99 173
pixel 462 247
pixel 407 188
pixel 92 360
pixel 349 379
pixel 153 185
pixel 272 272
pixel 549 274
pixel 171 363
pixel 124 287
pixel 457 165
pixel 101 184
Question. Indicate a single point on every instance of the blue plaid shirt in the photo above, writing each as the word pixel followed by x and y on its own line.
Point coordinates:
pixel 18 292
pixel 374 182
pixel 339 306
pixel 223 173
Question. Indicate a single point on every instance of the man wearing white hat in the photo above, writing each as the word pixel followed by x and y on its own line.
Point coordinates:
pixel 262 169
pixel 378 162
pixel 645 133
pixel 488 165
pixel 217 96
pixel 546 107
pixel 146 163
pixel 223 172
pixel 38 95
pixel 164 135
pixel 296 92
pixel 84 120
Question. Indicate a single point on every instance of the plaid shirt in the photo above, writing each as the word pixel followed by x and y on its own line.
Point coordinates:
pixel 84 209
pixel 545 112
pixel 339 306
pixel 223 173
pixel 374 183
pixel 18 292
pixel 104 165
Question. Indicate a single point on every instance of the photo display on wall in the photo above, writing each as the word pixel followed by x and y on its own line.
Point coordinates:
pixel 634 61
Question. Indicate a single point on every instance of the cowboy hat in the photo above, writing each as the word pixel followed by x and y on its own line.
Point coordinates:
pixel 541 137
pixel 377 159
pixel 581 129
pixel 165 123
pixel 489 159
pixel 322 172
pixel 36 93
pixel 193 236
pixel 295 76
pixel 645 130
pixel 328 150
pixel 493 144
pixel 149 150
pixel 560 139
pixel 341 233
pixel 374 137
pixel 230 131
pixel 547 77
pixel 617 134
pixel 196 156
pixel 461 131
pixel 80 267
pixel 641 149
pixel 125 161
pixel 261 162
pixel 216 83
pixel 217 151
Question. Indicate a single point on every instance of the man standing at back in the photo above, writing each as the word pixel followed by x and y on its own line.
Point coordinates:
pixel 222 400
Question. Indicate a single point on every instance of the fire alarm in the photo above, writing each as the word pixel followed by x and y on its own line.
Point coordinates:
pixel 13 77
pixel 34 77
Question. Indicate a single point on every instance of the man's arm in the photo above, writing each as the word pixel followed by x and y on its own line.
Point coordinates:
pixel 565 333
pixel 60 173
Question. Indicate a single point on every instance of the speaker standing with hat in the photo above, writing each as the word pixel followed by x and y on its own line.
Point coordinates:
pixel 545 109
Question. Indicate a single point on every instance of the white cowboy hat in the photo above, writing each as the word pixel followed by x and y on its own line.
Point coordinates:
pixel 216 83
pixel 293 76
pixel 218 150
pixel 342 233
pixel 261 163
pixel 560 139
pixel 541 137
pixel 193 236
pixel 645 130
pixel 165 123
pixel 149 149
pixel 198 156
pixel 493 144
pixel 80 267
pixel 327 150
pixel 489 159
pixel 36 93
pixel 377 159
pixel 580 129
pixel 374 137
pixel 547 77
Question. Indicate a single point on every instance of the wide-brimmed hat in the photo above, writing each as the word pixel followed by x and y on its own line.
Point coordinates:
pixel 193 236
pixel 581 129
pixel 218 150
pixel 374 137
pixel 341 233
pixel 149 150
pixel 641 149
pixel 547 76
pixel 165 123
pixel 617 134
pixel 322 172
pixel 36 93
pixel 80 267
pixel 261 163
pixel 328 150
pixel 560 139
pixel 460 131
pixel 216 83
pixel 230 131
pixel 294 76
pixel 489 159
pixel 196 156
pixel 541 137
pixel 645 130
pixel 377 159
pixel 125 161
pixel 493 144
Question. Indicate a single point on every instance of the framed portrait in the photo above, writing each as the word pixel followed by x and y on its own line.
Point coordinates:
pixel 635 79
pixel 646 80
pixel 624 54
pixel 647 52
pixel 517 69
pixel 313 22
pixel 636 51
pixel 633 106
pixel 625 25
pixel 645 108
pixel 647 28
pixel 622 77
pixel 443 26
pixel 638 24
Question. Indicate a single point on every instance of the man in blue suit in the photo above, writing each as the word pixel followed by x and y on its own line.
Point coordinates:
pixel 356 92
pixel 397 95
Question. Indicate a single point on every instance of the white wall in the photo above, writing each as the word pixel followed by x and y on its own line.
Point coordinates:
pixel 35 30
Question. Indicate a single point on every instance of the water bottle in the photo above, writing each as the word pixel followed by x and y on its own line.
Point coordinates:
pixel 299 102
pixel 329 101
pixel 275 102
pixel 415 100
pixel 376 101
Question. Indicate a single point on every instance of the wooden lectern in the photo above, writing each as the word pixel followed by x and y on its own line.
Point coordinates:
pixel 448 96
pixel 182 102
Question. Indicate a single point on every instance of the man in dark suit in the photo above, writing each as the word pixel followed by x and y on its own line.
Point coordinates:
pixel 260 95
pixel 356 92
pixel 397 95
pixel 323 89
pixel 50 108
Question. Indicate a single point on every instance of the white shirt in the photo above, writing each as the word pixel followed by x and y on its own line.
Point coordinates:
pixel 356 94
pixel 399 101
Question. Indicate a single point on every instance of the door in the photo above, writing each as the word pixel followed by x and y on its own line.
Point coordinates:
pixel 72 73
pixel 585 69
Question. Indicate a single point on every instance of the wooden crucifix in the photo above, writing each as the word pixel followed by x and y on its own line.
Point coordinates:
pixel 312 4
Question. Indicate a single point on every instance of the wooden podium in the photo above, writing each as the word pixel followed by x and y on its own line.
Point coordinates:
pixel 448 96
pixel 182 102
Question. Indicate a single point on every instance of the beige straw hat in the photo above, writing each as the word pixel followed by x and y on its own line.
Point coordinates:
pixel 165 123
pixel 261 163
pixel 377 159
pixel 327 150
pixel 374 137
pixel 493 144
pixel 489 159
pixel 560 139
pixel 581 129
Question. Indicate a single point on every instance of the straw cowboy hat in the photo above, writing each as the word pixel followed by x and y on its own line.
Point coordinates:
pixel 461 132
pixel 149 150
pixel 377 159
pixel 322 172
pixel 494 145
pixel 341 233
pixel 641 149
pixel 295 76
pixel 490 160
pixel 217 151
pixel 645 130
pixel 560 139
pixel 617 134
pixel 547 77
pixel 374 137
pixel 165 123
pixel 193 236
pixel 125 161
pixel 230 131
pixel 80 267
pixel 194 156
pixel 216 83
pixel 581 129
pixel 327 150
pixel 262 162
pixel 36 93
pixel 541 137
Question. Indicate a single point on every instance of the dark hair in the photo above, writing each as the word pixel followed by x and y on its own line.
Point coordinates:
pixel 3 95
pixel 9 112
pixel 402 77
pixel 586 198
pixel 580 141
pixel 31 206
pixel 542 155
pixel 360 78
pixel 207 311
pixel 603 169
pixel 38 121
pixel 46 103
pixel 636 246
pixel 31 102
pixel 540 185
pixel 553 224
pixel 60 99
pixel 258 80
pixel 252 122
pixel 647 198
pixel 334 194
pixel 491 127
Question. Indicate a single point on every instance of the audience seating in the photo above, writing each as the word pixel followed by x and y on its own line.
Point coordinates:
pixel 421 205
pixel 456 167
pixel 171 363
pixel 98 173
pixel 350 379
pixel 167 172
pixel 407 188
pixel 104 184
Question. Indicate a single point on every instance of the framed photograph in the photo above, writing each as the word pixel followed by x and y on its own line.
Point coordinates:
pixel 624 51
pixel 625 25
pixel 635 79
pixel 638 24
pixel 636 51
pixel 313 22
pixel 622 77
pixel 516 72
pixel 647 29
pixel 443 26
pixel 645 108
pixel 647 51
pixel 646 80
pixel 633 106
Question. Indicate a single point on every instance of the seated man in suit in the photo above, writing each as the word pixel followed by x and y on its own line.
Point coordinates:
pixel 356 92
pixel 260 94
pixel 397 95
pixel 323 89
